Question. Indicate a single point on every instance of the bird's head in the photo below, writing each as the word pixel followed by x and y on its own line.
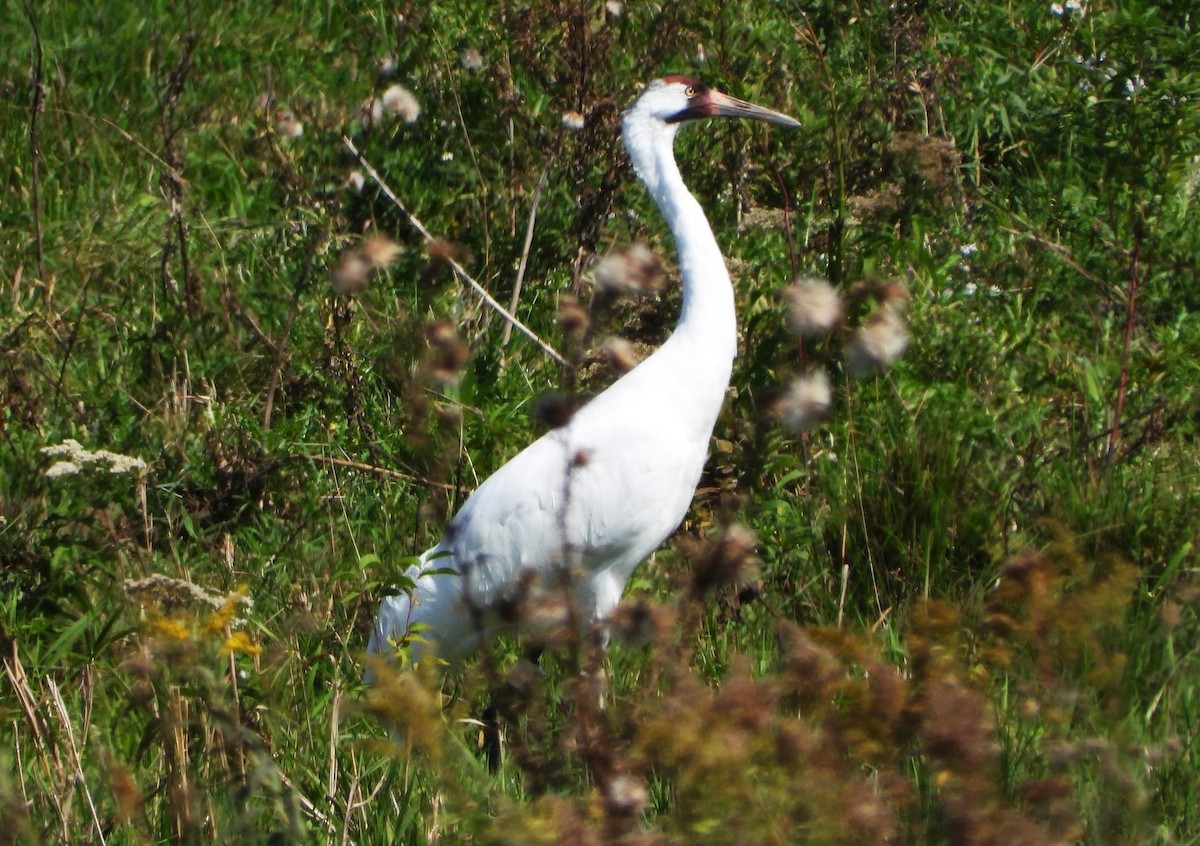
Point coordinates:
pixel 676 99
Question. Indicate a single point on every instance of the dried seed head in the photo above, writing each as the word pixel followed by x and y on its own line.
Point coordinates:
pixel 355 267
pixel 894 295
pixel 638 623
pixel 629 270
pixel 287 125
pixel 355 181
pixel 806 401
pixel 400 102
pixel 727 559
pixel 386 65
pixel 626 796
pixel 814 307
pixel 573 121
pixel 471 59
pixel 572 317
pixel 620 354
pixel 351 272
pixel 555 410
pixel 877 343
pixel 450 352
pixel 370 111
pixel 439 250
pixel 380 251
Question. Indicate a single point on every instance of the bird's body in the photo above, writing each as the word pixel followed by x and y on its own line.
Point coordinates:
pixel 595 497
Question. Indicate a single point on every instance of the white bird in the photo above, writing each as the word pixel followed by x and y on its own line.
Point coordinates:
pixel 583 505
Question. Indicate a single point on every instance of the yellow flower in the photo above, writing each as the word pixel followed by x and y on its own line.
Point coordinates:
pixel 240 643
pixel 169 627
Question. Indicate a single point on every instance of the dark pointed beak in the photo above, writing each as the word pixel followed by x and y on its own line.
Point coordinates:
pixel 715 104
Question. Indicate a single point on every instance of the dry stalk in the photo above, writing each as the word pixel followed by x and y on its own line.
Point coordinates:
pixel 459 270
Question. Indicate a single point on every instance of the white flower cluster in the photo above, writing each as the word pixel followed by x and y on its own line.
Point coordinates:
pixel 73 458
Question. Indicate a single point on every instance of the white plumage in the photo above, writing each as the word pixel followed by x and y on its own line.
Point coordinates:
pixel 593 498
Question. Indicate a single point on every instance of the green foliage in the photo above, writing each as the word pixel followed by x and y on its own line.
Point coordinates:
pixel 972 612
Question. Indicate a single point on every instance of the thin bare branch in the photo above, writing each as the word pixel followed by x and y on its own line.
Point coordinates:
pixel 529 227
pixel 459 270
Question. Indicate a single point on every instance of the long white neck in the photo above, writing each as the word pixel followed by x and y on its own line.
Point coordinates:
pixel 708 319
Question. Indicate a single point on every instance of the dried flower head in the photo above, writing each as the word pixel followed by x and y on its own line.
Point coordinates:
pixel 806 401
pixel 399 101
pixel 727 559
pixel 625 796
pixel 471 59
pixel 572 120
pixel 555 410
pixel 572 316
pixel 450 352
pixel 629 270
pixel 814 306
pixel 619 353
pixel 444 251
pixel 351 272
pixel 287 125
pixel 370 111
pixel 355 267
pixel 381 251
pixel 877 343
pixel 386 65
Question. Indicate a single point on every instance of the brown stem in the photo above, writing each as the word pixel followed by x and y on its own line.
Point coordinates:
pixel 35 153
pixel 1130 319
pixel 281 347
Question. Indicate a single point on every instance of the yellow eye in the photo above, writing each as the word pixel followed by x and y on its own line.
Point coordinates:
pixel 690 91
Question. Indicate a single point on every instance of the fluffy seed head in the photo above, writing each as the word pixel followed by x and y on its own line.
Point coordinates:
pixel 355 267
pixel 814 306
pixel 726 559
pixel 471 59
pixel 399 101
pixel 351 272
pixel 287 125
pixel 620 354
pixel 877 343
pixel 370 111
pixel 449 352
pixel 629 270
pixel 806 401
pixel 572 316
pixel 381 251
pixel 573 121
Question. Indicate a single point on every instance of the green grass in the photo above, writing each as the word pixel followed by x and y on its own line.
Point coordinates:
pixel 975 614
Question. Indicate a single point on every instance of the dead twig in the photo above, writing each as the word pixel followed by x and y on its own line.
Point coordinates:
pixel 35 152
pixel 367 468
pixel 529 227
pixel 459 270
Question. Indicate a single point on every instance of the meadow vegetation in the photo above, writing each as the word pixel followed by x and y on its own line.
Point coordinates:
pixel 239 392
